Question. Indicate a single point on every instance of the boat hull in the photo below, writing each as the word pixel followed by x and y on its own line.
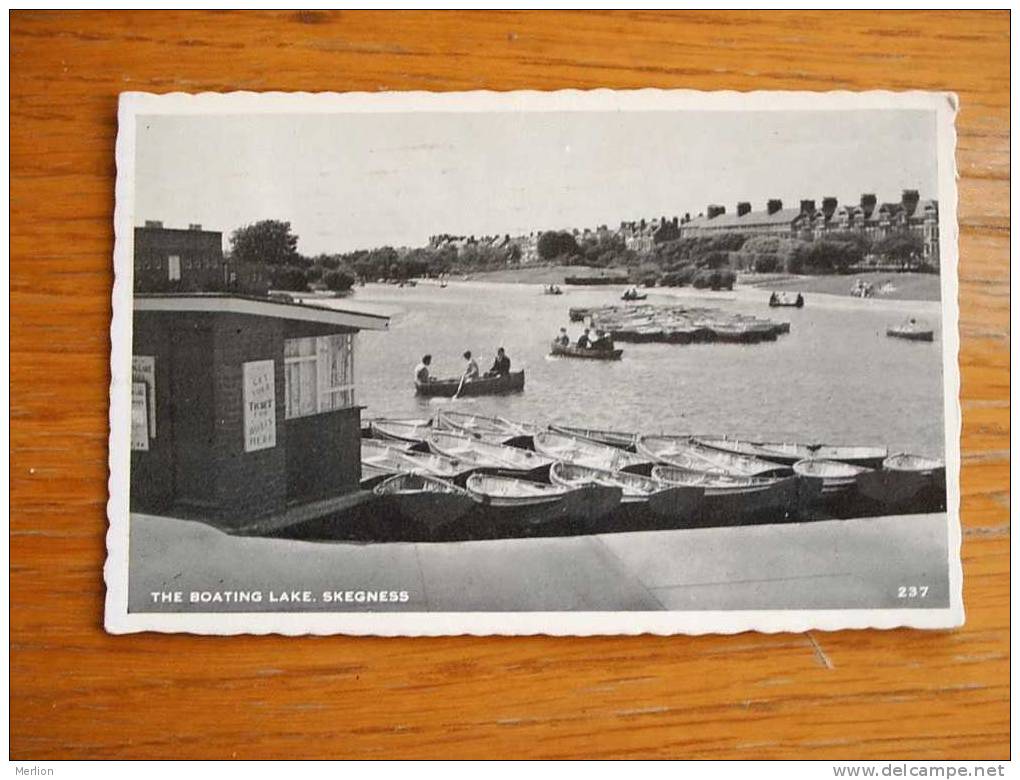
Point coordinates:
pixel 911 335
pixel 558 350
pixel 447 388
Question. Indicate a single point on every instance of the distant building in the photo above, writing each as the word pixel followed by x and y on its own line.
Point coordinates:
pixel 808 222
pixel 191 260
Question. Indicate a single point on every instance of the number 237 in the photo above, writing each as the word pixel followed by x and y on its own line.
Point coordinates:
pixel 912 591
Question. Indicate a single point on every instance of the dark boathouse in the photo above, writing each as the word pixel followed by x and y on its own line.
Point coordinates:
pixel 242 407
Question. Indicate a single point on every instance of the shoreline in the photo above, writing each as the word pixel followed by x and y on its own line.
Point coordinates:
pixel 914 290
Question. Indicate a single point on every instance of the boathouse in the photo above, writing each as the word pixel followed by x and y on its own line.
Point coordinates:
pixel 242 407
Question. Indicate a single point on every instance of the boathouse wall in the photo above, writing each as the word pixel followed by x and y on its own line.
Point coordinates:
pixel 199 462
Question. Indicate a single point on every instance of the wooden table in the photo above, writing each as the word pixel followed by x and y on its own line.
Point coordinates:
pixel 76 692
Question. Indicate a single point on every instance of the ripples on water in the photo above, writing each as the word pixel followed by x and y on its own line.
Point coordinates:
pixel 836 377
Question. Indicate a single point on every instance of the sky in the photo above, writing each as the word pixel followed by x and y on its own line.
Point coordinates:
pixel 358 181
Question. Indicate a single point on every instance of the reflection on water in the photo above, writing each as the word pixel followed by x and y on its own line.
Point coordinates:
pixel 835 377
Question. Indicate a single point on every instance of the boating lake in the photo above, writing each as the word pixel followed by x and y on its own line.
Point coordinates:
pixel 835 378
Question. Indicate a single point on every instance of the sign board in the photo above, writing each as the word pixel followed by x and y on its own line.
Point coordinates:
pixel 259 405
pixel 139 416
pixel 143 369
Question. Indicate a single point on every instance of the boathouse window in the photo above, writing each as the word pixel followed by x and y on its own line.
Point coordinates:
pixel 319 374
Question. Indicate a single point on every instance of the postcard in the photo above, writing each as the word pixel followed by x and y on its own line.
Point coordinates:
pixel 577 362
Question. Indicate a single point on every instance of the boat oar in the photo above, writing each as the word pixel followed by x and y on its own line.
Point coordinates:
pixel 459 388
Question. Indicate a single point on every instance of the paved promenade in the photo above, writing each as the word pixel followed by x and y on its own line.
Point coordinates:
pixel 835 564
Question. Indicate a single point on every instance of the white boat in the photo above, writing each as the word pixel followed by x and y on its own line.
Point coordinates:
pixel 669 501
pixel 835 477
pixel 424 500
pixel 483 454
pixel 686 452
pixel 587 452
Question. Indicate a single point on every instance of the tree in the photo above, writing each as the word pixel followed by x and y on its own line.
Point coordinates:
pixel 339 280
pixel 553 244
pixel 268 241
pixel 903 246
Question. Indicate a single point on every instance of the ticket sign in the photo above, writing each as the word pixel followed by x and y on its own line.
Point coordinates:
pixel 139 416
pixel 143 369
pixel 259 405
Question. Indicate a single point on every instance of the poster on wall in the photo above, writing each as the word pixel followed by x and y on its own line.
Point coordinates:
pixel 143 369
pixel 259 405
pixel 139 416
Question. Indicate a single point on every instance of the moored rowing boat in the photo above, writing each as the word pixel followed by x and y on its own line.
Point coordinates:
pixel 728 499
pixel 412 432
pixel 622 439
pixel 380 455
pixel 425 500
pixel 587 452
pixel 485 455
pixel 531 503
pixel 833 476
pixel 667 501
pixel 790 452
pixel 686 452
pixel 494 429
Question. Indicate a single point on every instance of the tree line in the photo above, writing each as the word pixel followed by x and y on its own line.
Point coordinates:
pixel 708 260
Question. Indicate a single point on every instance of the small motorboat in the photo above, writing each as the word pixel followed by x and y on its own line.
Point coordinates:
pixel 636 296
pixel 789 453
pixel 486 455
pixel 686 452
pixel 587 353
pixel 834 477
pixel 587 452
pixel 622 439
pixel 448 388
pixel 552 289
pixel 667 501
pixel 911 332
pixel 785 299
pixel 425 500
pixel 523 503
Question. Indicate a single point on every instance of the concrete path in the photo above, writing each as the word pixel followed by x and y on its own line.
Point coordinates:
pixel 837 564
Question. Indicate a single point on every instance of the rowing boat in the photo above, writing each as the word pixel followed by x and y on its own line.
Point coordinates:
pixel 835 477
pixel 586 452
pixel 789 453
pixel 495 429
pixel 623 440
pixel 906 481
pixel 493 385
pixel 668 501
pixel 686 452
pixel 425 500
pixel 587 353
pixel 486 455
pixel 911 333
pixel 728 499
pixel 373 475
pixel 412 432
pixel 380 455
pixel 520 502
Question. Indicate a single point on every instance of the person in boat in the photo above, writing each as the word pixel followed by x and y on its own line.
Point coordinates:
pixel 421 371
pixel 471 372
pixel 584 340
pixel 501 365
pixel 563 339
pixel 773 299
pixel 800 299
pixel 602 341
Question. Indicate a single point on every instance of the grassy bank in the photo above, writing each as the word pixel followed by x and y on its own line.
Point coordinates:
pixel 887 286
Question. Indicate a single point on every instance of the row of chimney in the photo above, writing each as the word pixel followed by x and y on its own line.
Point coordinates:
pixel 158 224
pixel 908 200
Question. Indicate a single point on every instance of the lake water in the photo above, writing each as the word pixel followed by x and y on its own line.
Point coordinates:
pixel 836 377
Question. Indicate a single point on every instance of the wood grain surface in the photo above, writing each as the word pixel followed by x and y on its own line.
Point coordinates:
pixel 77 692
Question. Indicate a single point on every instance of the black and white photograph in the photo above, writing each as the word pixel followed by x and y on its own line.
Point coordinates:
pixel 515 363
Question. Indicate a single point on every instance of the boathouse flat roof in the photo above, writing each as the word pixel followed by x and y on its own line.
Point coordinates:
pixel 261 307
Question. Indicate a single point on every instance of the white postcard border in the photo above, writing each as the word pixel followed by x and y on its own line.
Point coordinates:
pixel 133 104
